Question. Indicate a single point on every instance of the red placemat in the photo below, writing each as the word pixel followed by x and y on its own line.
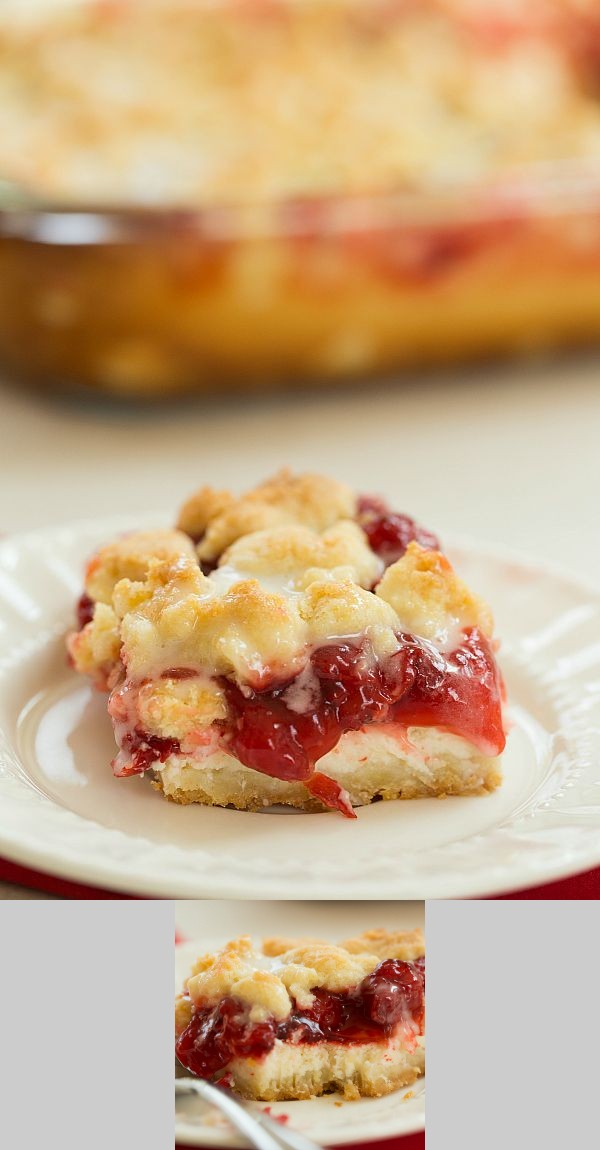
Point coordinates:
pixel 49 884
pixel 582 886
pixel 409 1142
pixel 579 886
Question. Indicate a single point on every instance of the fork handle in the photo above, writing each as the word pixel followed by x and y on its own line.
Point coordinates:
pixel 240 1118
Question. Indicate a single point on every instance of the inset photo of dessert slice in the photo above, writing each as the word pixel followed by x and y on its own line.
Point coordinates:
pixel 311 1015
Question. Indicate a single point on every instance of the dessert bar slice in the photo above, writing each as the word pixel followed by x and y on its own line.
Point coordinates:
pixel 298 644
pixel 302 1018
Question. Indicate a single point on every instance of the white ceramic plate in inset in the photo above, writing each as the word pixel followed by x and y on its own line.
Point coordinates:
pixel 328 1121
pixel 62 811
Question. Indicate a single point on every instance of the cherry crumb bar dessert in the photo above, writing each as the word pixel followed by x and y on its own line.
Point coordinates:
pixel 297 645
pixel 303 1018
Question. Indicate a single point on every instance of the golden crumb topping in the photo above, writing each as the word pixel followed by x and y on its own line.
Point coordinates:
pixel 264 993
pixel 345 609
pixel 277 945
pixel 404 944
pixel 241 947
pixel 319 964
pixel 267 980
pixel 300 555
pixel 429 598
pixel 294 574
pixel 96 649
pixel 246 632
pixel 201 508
pixel 176 708
pixel 234 971
pixel 130 558
pixel 313 501
pixel 184 1012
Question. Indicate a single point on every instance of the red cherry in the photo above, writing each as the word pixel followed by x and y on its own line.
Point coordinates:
pixel 217 1034
pixel 85 610
pixel 393 992
pixel 389 532
pixel 145 749
pixel 417 686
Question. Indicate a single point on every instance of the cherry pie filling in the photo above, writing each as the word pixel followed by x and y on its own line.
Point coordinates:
pixel 460 692
pixel 388 1002
pixel 84 610
pixel 390 532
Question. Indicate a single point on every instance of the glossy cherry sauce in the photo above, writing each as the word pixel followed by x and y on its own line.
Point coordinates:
pixel 393 993
pixel 85 610
pixel 145 750
pixel 390 532
pixel 418 686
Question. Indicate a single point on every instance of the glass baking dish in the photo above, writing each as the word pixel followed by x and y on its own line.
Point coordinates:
pixel 157 302
pixel 314 284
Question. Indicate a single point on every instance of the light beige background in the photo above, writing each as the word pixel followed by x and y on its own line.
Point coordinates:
pixel 508 455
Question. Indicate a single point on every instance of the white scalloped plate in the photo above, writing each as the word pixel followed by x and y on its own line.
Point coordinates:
pixel 328 1121
pixel 62 811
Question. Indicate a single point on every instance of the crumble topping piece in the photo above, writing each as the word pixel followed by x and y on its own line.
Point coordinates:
pixel 403 944
pixel 302 556
pixel 382 943
pixel 305 500
pixel 131 558
pixel 426 594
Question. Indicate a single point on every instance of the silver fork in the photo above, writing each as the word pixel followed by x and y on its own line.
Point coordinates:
pixel 258 1128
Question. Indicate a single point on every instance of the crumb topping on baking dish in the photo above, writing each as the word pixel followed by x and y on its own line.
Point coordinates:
pixel 230 103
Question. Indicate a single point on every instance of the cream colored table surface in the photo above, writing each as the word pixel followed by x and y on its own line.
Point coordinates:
pixel 508 455
pixel 223 919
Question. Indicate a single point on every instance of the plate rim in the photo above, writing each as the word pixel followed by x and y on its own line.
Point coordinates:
pixel 26 850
